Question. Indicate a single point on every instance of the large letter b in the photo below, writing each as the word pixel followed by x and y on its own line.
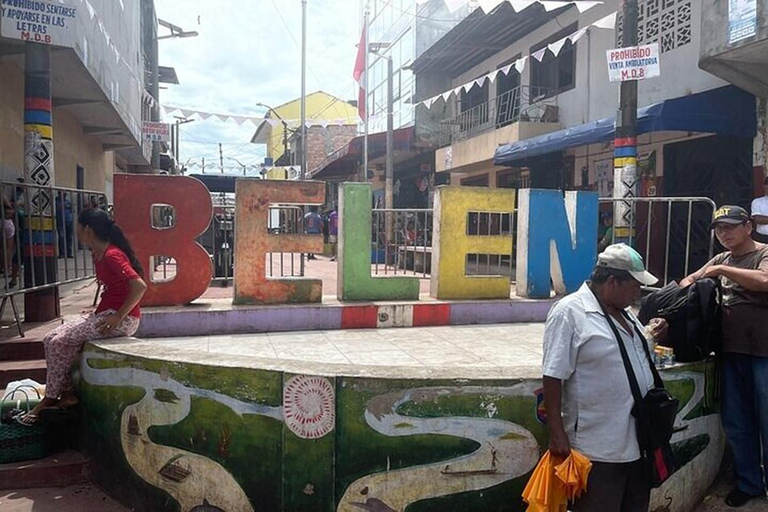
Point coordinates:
pixel 135 196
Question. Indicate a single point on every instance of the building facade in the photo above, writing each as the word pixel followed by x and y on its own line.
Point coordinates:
pixel 570 90
pixel 99 96
pixel 284 122
pixel 410 27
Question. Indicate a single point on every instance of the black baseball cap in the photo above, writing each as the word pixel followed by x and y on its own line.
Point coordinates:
pixel 730 215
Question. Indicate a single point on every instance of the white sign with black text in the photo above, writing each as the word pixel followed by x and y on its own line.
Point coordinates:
pixel 157 132
pixel 39 21
pixel 635 63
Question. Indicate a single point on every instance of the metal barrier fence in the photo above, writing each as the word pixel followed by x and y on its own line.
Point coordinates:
pixel 40 246
pixel 671 232
pixel 402 242
pixel 219 241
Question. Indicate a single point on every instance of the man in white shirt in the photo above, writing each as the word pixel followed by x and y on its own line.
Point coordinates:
pixel 760 216
pixel 586 387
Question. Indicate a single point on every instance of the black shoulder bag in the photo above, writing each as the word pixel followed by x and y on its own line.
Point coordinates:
pixel 654 414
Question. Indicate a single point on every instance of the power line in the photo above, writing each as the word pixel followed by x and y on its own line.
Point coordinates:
pixel 290 33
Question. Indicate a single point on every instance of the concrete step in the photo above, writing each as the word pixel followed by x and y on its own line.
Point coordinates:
pixel 16 370
pixel 21 349
pixel 61 470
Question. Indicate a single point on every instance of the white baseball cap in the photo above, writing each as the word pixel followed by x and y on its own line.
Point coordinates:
pixel 623 257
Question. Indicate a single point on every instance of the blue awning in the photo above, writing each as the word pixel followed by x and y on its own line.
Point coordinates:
pixel 728 111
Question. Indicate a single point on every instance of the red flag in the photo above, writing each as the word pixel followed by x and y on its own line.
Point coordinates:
pixel 359 75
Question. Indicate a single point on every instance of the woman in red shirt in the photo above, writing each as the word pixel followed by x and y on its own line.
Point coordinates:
pixel 117 315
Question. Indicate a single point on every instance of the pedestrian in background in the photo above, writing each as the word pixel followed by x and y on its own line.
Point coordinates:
pixel 313 225
pixel 743 274
pixel 760 215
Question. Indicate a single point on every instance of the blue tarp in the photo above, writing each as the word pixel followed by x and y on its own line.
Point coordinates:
pixel 727 111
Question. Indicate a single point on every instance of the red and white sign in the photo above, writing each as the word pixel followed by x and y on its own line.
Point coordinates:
pixel 636 63
pixel 157 132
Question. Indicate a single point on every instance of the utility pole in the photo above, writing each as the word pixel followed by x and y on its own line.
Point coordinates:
pixel 221 158
pixel 366 23
pixel 176 140
pixel 203 165
pixel 390 170
pixel 303 173
pixel 626 180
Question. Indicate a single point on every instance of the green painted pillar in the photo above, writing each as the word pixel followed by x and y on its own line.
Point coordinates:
pixel 355 282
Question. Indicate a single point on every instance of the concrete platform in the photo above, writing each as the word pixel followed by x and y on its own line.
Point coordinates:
pixel 507 351
pixel 447 417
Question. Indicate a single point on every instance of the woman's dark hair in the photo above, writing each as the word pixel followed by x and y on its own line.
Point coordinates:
pixel 601 275
pixel 106 230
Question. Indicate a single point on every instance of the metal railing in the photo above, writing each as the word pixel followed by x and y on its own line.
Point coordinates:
pixel 523 103
pixel 402 242
pixel 671 232
pixel 219 241
pixel 40 246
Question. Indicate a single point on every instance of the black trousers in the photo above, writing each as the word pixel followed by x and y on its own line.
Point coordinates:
pixel 615 488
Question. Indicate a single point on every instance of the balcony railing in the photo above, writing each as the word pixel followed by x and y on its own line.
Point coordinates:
pixel 524 103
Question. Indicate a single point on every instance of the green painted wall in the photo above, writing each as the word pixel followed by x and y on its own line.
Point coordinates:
pixel 304 443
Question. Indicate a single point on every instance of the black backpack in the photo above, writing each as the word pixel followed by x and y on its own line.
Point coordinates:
pixel 694 318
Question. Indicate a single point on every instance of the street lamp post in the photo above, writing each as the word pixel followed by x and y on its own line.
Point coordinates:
pixel 175 135
pixel 389 175
pixel 176 32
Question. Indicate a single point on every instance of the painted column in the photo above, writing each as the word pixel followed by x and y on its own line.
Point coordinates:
pixel 354 279
pixel 38 233
pixel 625 187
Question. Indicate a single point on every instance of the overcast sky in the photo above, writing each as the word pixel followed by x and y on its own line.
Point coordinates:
pixel 245 54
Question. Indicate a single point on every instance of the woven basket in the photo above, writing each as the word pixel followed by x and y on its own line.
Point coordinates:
pixel 18 442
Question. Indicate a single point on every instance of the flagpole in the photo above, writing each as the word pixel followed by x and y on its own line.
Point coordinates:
pixel 304 170
pixel 365 86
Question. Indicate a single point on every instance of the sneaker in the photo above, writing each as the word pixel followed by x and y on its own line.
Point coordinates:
pixel 738 498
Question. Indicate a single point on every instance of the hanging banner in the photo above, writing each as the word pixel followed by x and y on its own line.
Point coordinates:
pixel 39 21
pixel 742 19
pixel 637 63
pixel 157 132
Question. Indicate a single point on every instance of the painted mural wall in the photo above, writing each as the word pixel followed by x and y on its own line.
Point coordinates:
pixel 168 436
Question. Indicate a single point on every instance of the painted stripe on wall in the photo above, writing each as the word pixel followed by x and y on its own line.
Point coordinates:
pixel 426 315
pixel 359 317
pixel 40 117
pixel 45 132
pixel 38 104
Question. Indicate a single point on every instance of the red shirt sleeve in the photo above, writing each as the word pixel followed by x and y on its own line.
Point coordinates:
pixel 119 264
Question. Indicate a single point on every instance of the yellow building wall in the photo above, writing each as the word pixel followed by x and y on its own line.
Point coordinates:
pixel 71 146
pixel 320 107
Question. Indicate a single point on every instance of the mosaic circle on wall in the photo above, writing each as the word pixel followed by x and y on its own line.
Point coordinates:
pixel 309 406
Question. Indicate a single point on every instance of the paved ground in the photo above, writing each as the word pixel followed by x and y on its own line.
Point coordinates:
pixel 80 498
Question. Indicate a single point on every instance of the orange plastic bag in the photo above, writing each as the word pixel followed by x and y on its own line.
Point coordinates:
pixel 554 483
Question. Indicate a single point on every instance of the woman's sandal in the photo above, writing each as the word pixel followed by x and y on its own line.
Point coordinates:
pixel 27 419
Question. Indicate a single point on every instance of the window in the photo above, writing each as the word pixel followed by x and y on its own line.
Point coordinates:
pixel 554 75
pixel 474 107
pixel 507 96
pixel 476 181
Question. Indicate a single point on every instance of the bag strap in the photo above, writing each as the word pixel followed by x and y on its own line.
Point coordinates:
pixel 657 381
pixel 633 384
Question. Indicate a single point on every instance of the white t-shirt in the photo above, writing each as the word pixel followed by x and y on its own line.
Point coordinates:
pixel 581 350
pixel 760 207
